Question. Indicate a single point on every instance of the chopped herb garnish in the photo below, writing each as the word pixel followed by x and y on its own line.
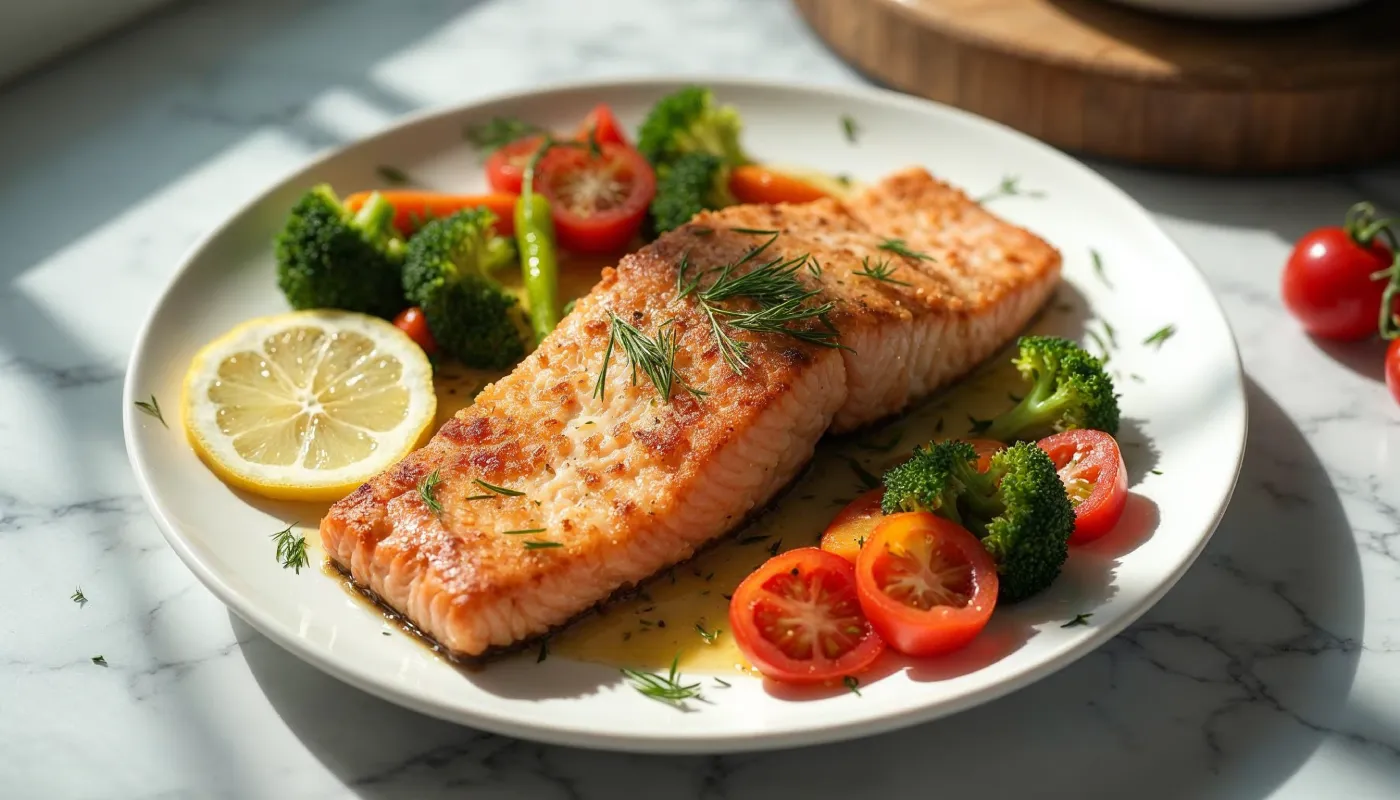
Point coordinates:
pixel 393 175
pixel 722 682
pixel 483 496
pixel 1111 334
pixel 534 544
pixel 499 132
pixel 655 357
pixel 497 489
pixel 755 231
pixel 1079 619
pixel 868 480
pixel 78 597
pixel 814 266
pixel 707 635
pixel 1161 336
pixel 877 446
pixel 773 548
pixel 1135 377
pixel 751 539
pixel 427 489
pixel 702 231
pixel 523 531
pixel 666 689
pixel 544 652
pixel 853 684
pixel 898 247
pixel 1155 471
pixel 100 661
pixel 978 425
pixel 880 271
pixel 849 127
pixel 1098 268
pixel 291 549
pixel 151 408
pixel 1098 340
pixel 1010 186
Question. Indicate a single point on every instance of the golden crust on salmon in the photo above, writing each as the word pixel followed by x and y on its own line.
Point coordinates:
pixel 609 484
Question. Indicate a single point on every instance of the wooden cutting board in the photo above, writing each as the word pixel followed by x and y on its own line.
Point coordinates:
pixel 1105 80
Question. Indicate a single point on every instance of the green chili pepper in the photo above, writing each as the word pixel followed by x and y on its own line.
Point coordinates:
pixel 534 233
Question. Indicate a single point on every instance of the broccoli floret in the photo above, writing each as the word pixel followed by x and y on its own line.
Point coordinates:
pixel 1069 389
pixel 1018 508
pixel 328 257
pixel 688 121
pixel 447 273
pixel 692 183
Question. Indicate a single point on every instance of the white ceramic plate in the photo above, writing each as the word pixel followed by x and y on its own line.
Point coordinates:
pixel 1185 419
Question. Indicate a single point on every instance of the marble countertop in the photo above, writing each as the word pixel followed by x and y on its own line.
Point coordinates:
pixel 1271 670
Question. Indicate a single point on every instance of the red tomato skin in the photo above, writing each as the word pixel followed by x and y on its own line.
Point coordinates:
pixel 604 126
pixel 505 167
pixel 412 322
pixel 770 660
pixel 1101 510
pixel 608 232
pixel 1327 284
pixel 939 630
pixel 856 520
pixel 1392 369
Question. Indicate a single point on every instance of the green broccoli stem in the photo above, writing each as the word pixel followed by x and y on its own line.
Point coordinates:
pixel 1031 413
pixel 375 217
pixel 980 498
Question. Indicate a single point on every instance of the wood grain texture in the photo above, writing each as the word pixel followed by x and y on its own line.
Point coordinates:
pixel 1109 81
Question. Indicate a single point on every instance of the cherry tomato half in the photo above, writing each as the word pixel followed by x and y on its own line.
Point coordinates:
pixel 1327 284
pixel 926 584
pixel 797 619
pixel 598 201
pixel 505 168
pixel 603 125
pixel 1091 468
pixel 1392 369
pixel 851 528
pixel 412 322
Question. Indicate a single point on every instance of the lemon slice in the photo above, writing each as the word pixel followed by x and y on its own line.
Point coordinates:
pixel 307 405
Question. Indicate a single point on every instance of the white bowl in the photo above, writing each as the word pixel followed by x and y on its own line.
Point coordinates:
pixel 1241 9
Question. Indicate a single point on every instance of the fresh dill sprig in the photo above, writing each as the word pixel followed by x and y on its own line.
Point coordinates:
pixel 849 127
pixel 499 132
pixel 879 271
pixel 151 408
pixel 1098 340
pixel 708 635
pixel 853 684
pixel 722 682
pixel 1161 336
pixel 667 689
pixel 523 531
pixel 100 661
pixel 1079 619
pixel 393 175
pixel 654 357
pixel 898 247
pixel 1010 186
pixel 755 231
pixel 1111 334
pixel 535 544
pixel 867 480
pixel 78 597
pixel 501 490
pixel 427 489
pixel 291 549
pixel 1098 268
pixel 814 266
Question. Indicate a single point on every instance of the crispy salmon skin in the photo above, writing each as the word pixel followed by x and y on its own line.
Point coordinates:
pixel 556 489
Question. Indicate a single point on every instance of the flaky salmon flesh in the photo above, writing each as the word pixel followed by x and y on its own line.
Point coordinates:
pixel 606 485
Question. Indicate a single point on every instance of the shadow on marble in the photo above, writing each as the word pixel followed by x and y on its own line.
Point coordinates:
pixel 1224 689
pixel 1366 359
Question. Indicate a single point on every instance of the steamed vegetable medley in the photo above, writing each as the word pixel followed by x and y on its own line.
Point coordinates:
pixel 433 261
pixel 919 564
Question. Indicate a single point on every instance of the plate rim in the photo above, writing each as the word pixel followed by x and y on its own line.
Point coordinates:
pixel 681 743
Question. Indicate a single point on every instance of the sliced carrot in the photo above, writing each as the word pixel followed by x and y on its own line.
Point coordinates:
pixel 752 183
pixel 414 207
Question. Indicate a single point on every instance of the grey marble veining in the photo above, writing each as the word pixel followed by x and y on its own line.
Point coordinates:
pixel 1271 670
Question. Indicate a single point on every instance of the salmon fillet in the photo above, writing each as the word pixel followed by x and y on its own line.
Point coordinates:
pixel 609 484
